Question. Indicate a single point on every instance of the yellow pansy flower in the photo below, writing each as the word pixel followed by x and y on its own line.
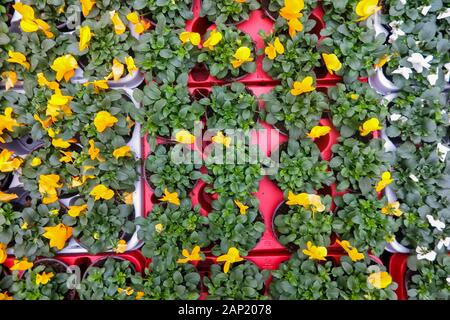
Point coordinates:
pixel 121 246
pixel 119 26
pixel 214 38
pixel 314 252
pixel 331 62
pixel 98 85
pixel 384 182
pixel 171 197
pixel 295 26
pixel 24 226
pixel 104 120
pixel 242 207
pixel 7 162
pixel 316 203
pixel 124 151
pixel 221 139
pixel 159 227
pixel 26 11
pixel 86 6
pixel 392 208
pixel 274 48
pixel 306 85
pixel 48 183
pixel 319 131
pixel 352 252
pixel 131 66
pixel 128 197
pixel 194 256
pixel 43 82
pixel 373 124
pixel 44 278
pixel 57 104
pixel 242 55
pixel 58 235
pixel 7 122
pixel 183 136
pixel 21 265
pixel 102 192
pixel 3 254
pixel 7 197
pixel 192 37
pixel 139 25
pixel 29 23
pixel 292 9
pixel 65 67
pixel 4 296
pixel 117 70
pixel 19 58
pixel 380 280
pixel 67 157
pixel 85 37
pixel 60 143
pixel 94 153
pixel 300 199
pixel 128 291
pixel 10 79
pixel 365 8
pixel 231 257
pixel 354 96
pixel 139 295
pixel 76 211
pixel 382 61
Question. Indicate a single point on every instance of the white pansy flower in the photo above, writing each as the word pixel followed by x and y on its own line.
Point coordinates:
pixel 396 31
pixel 447 74
pixel 395 117
pixel 443 243
pixel 444 14
pixel 419 62
pixel 425 10
pixel 413 178
pixel 442 151
pixel 404 71
pixel 439 225
pixel 448 279
pixel 432 78
pixel 403 2
pixel 422 253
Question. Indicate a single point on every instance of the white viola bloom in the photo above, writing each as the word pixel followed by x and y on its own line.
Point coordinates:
pixel 422 253
pixel 403 2
pixel 444 14
pixel 396 31
pixel 448 279
pixel 438 224
pixel 419 62
pixel 443 243
pixel 433 78
pixel 442 151
pixel 413 178
pixel 404 71
pixel 425 10
pixel 395 117
pixel 447 74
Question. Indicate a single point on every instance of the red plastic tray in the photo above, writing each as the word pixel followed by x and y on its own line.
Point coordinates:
pixel 397 268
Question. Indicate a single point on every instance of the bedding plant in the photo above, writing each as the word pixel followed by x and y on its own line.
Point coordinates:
pixel 175 12
pixel 228 11
pixel 273 7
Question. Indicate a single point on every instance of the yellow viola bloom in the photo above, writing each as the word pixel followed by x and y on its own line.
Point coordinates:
pixel 300 199
pixel 57 104
pixel 98 85
pixel 384 182
pixel 65 67
pixel 85 37
pixel 292 9
pixel 128 197
pixel 366 8
pixel 26 11
pixel 183 136
pixel 242 55
pixel 21 265
pixel 219 138
pixel 242 207
pixel 392 208
pixel 274 48
pixel 124 151
pixel 44 278
pixel 314 252
pixel 131 66
pixel 67 157
pixel 19 58
pixel 304 86
pixel 128 291
pixel 3 254
pixel 214 38
pixel 171 197
pixel 7 122
pixel 58 235
pixel 43 82
pixel 36 162
pixel 76 211
pixel 159 227
pixel 194 256
pixel 316 203
pixel 48 183
pixel 354 96
pixel 192 37
pixel 140 295
pixel 373 124
pixel 104 120
pixel 60 143
pixel 4 296
pixel 319 131
pixel 231 257
pixel 86 6
pixel 117 72
pixel 44 26
pixel 94 153
pixel 101 192
pixel 7 197
pixel 382 61
pixel 133 17
pixel 331 62
pixel 10 79
pixel 352 252
pixel 380 280
pixel 121 246
pixel 295 26
pixel 24 226
pixel 29 23
pixel 119 26
pixel 7 162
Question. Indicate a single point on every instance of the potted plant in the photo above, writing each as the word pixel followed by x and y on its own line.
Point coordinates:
pixel 360 220
pixel 272 8
pixel 46 280
pixel 428 280
pixel 228 53
pixel 358 165
pixel 235 223
pixel 162 173
pixel 162 55
pixel 244 281
pixel 172 226
pixel 109 278
pixel 176 13
pixel 296 225
pixel 229 12
pixel 351 104
pixel 294 115
pixel 8 218
pixel 99 225
pixel 11 106
pixel 300 168
pixel 231 107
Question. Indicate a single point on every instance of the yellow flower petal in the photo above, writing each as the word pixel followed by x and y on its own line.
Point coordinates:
pixel 19 58
pixel 371 125
pixel 183 136
pixel 319 131
pixel 7 197
pixel 44 278
pixel 365 8
pixel 380 280
pixel 101 192
pixel 214 38
pixel 104 120
pixel 314 252
pixel 58 235
pixel 171 197
pixel 231 257
pixel 119 26
pixel 76 211
pixel 331 62
pixel 304 86
pixel 85 37
pixel 124 151
pixel 86 6
pixel 21 265
pixel 65 67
